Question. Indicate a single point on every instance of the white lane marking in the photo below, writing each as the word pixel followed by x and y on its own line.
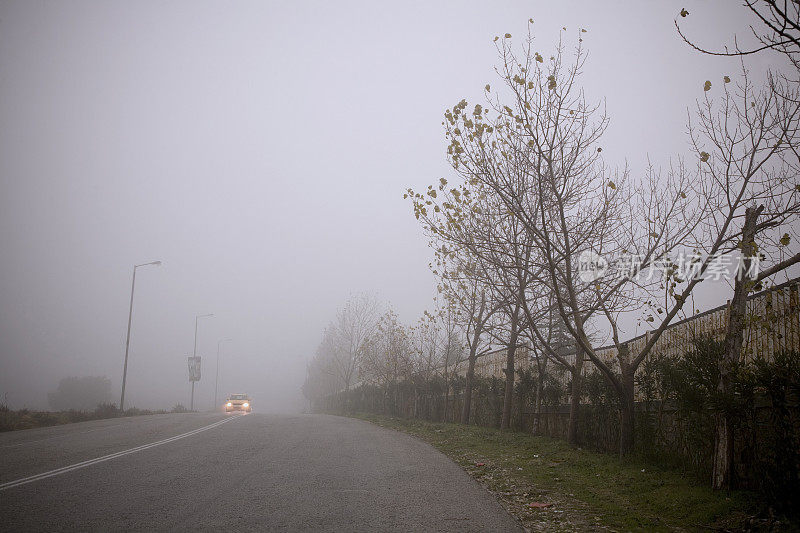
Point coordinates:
pixel 84 464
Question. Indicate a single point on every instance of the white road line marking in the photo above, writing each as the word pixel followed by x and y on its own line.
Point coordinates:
pixel 84 464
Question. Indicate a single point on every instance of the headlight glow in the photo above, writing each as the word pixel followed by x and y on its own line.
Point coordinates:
pixel 229 404
pixel 246 404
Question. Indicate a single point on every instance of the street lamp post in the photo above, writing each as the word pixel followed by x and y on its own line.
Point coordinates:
pixel 128 338
pixel 216 379
pixel 194 353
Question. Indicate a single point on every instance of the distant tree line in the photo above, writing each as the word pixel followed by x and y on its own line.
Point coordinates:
pixel 80 393
pixel 76 399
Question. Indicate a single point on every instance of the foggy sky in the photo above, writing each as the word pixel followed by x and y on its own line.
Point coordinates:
pixel 261 150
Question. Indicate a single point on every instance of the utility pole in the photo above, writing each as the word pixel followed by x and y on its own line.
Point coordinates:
pixel 128 337
pixel 216 379
pixel 194 353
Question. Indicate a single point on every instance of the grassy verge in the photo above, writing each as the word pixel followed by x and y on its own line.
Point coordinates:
pixel 12 420
pixel 585 490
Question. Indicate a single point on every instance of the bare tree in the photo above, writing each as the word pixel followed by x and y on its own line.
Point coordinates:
pixel 747 145
pixel 776 28
pixel 462 279
pixel 487 247
pixel 475 311
pixel 353 324
pixel 321 383
pixel 490 214
pixel 426 344
pixel 540 158
pixel 462 286
pixel 499 243
pixel 339 353
pixel 387 358
pixel 452 353
pixel 752 165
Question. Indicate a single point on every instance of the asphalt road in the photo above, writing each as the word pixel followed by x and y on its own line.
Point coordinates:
pixel 251 472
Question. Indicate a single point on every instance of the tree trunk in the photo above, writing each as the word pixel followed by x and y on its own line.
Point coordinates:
pixel 470 377
pixel 722 471
pixel 508 397
pixel 446 392
pixel 575 399
pixel 537 407
pixel 627 418
pixel 466 410
pixel 537 421
pixel 723 467
pixel 505 421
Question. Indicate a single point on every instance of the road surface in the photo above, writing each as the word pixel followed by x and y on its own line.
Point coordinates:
pixel 235 473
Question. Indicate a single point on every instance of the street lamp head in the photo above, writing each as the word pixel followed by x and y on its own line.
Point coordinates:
pixel 156 263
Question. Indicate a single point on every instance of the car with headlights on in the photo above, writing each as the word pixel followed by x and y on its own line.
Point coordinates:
pixel 238 402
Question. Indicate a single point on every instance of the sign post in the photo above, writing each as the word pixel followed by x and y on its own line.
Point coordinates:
pixel 194 375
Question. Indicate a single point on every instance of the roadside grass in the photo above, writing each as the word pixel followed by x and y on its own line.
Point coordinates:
pixel 586 490
pixel 13 420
